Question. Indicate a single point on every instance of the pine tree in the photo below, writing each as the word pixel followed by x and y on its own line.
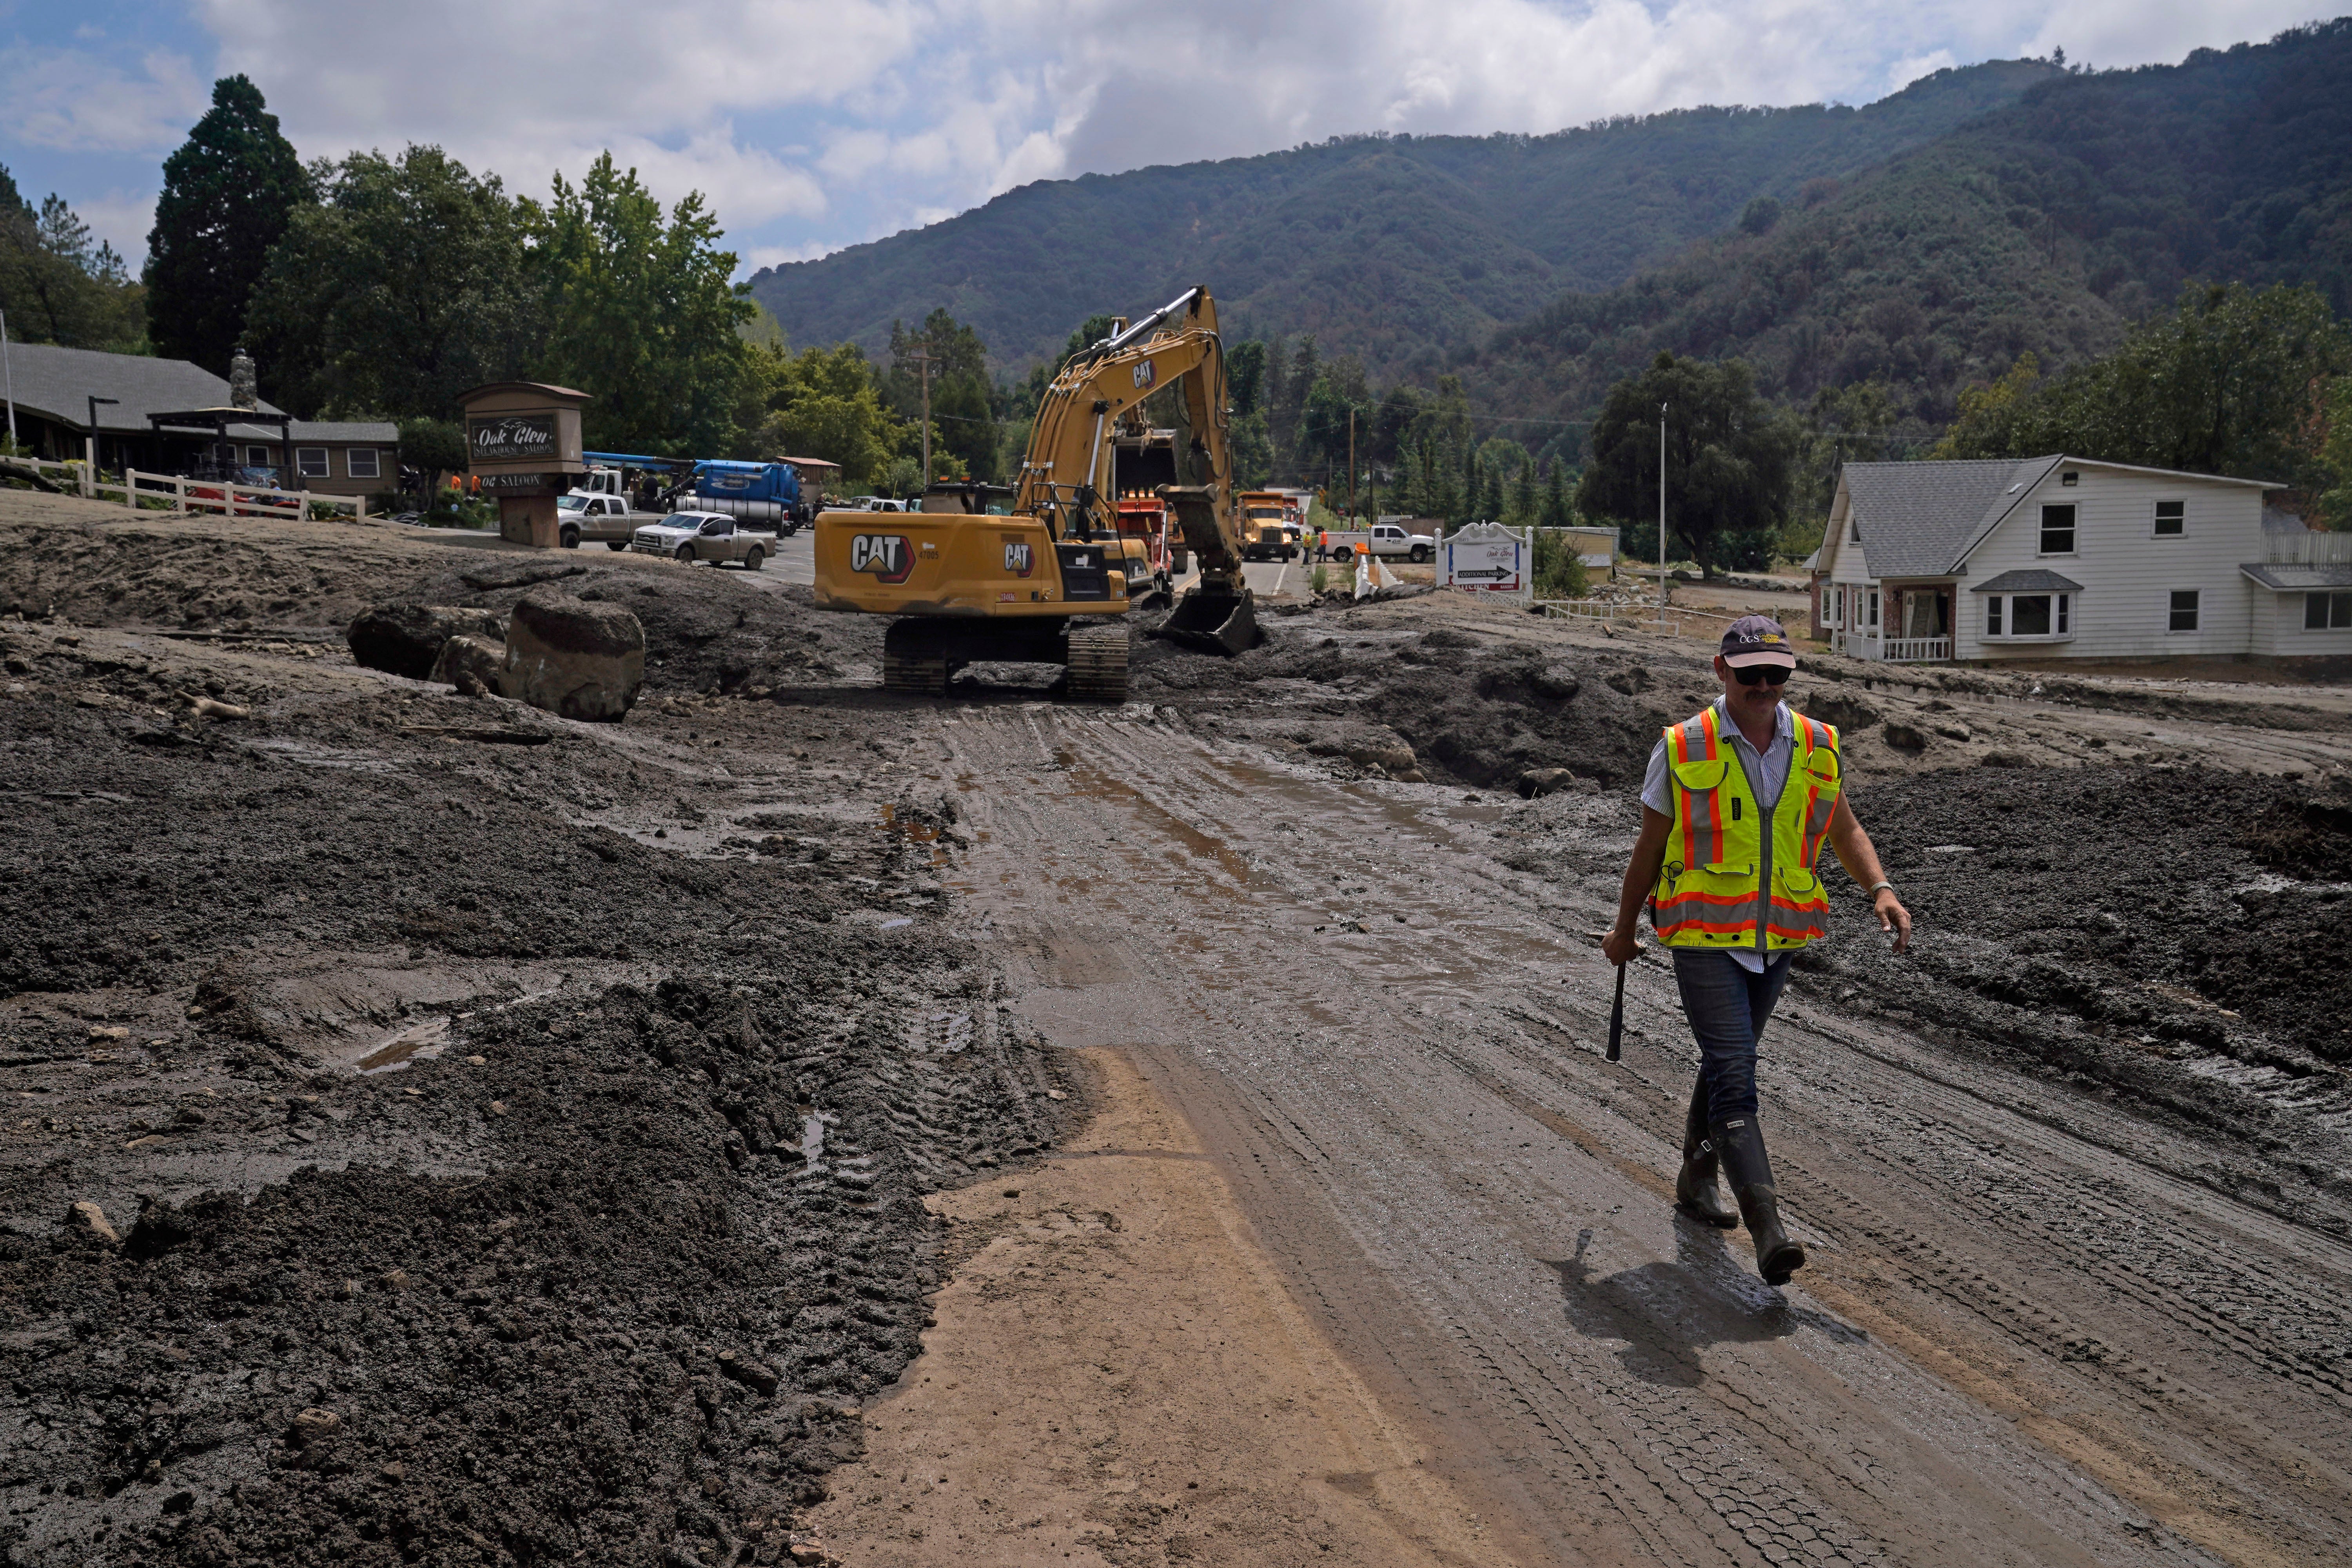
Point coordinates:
pixel 1556 513
pixel 229 193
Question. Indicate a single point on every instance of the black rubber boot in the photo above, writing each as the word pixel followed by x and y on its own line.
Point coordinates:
pixel 1740 1145
pixel 1697 1193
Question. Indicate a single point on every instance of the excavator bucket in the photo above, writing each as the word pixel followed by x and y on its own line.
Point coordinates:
pixel 1222 624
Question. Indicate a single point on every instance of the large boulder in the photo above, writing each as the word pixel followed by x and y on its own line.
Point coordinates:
pixel 406 639
pixel 576 658
pixel 475 665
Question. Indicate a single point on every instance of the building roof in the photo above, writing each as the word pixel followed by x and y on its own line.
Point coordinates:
pixel 1923 519
pixel 2028 580
pixel 322 432
pixel 57 383
pixel 1919 519
pixel 2286 579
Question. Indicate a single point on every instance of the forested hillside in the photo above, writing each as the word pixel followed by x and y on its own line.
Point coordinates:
pixel 2047 225
pixel 1392 249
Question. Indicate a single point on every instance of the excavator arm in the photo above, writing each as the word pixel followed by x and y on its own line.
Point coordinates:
pixel 1065 473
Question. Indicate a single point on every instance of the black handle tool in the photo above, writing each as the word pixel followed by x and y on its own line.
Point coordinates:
pixel 1617 1019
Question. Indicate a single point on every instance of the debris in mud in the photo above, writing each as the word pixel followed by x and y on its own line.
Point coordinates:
pixel 407 639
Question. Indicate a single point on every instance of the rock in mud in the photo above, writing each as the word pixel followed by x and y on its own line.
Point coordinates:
pixel 1905 737
pixel 1848 713
pixel 472 663
pixel 1538 782
pixel 575 658
pixel 407 639
pixel 88 1216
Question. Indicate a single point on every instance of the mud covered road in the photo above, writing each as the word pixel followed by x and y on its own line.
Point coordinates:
pixel 2029 1333
pixel 518 1142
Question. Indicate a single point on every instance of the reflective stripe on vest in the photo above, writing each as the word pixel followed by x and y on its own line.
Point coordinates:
pixel 1708 893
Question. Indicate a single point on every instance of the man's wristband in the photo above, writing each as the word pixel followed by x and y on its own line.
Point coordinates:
pixel 1872 894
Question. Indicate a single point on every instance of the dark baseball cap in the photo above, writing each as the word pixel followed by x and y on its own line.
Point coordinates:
pixel 1757 639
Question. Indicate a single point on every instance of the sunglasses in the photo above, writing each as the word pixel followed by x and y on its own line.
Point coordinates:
pixel 1769 674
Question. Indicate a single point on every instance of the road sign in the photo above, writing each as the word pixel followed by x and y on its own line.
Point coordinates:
pixel 1487 558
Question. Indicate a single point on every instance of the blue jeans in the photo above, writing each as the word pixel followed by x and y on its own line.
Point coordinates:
pixel 1728 1008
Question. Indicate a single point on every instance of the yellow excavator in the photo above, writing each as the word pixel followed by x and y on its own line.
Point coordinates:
pixel 1050 581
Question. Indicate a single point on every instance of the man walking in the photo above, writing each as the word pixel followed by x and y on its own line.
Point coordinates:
pixel 1735 805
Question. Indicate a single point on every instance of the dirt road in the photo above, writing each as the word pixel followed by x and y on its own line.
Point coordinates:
pixel 516 1141
pixel 2018 1341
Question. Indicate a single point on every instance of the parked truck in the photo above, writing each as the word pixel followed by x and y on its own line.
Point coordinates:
pixel 765 495
pixel 1387 540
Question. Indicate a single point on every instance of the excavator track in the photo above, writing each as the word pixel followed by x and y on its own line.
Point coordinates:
pixel 914 661
pixel 1098 664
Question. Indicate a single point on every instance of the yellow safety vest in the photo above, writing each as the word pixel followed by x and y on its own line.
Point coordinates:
pixel 1710 890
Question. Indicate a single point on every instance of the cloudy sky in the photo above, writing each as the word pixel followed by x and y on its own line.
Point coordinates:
pixel 812 124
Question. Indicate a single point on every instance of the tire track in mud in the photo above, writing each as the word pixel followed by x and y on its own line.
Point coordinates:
pixel 1348 1079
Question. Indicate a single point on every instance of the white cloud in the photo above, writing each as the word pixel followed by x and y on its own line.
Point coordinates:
pixel 121 218
pixel 75 102
pixel 809 122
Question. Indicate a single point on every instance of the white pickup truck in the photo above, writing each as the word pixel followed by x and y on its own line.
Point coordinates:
pixel 1383 539
pixel 583 517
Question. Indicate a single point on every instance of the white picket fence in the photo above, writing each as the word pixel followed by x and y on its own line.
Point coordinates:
pixel 187 497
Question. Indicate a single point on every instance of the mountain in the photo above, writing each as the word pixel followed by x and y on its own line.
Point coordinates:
pixel 1392 248
pixel 2048 225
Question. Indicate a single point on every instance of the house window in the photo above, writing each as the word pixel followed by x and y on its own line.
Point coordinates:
pixel 361 461
pixel 2018 617
pixel 2184 611
pixel 2326 611
pixel 1853 530
pixel 1873 609
pixel 2171 518
pixel 2070 477
pixel 310 462
pixel 257 455
pixel 2058 529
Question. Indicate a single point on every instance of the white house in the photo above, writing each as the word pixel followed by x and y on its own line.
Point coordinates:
pixel 2065 557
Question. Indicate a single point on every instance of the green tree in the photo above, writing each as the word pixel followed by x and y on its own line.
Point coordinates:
pixel 229 193
pixel 2231 383
pixel 2335 458
pixel 962 412
pixel 1556 511
pixel 406 285
pixel 1844 425
pixel 58 284
pixel 827 404
pixel 1730 457
pixel 639 312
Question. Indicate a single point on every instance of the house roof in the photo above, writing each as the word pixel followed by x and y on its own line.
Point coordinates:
pixel 2028 580
pixel 1917 520
pixel 321 432
pixel 57 383
pixel 2298 579
pixel 1924 519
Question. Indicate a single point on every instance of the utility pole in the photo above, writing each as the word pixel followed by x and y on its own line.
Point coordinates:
pixel 1351 467
pixel 1662 514
pixel 9 373
pixel 922 363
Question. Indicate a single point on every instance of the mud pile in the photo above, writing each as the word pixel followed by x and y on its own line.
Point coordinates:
pixel 606 1338
pixel 1476 709
pixel 714 632
pixel 584 1278
pixel 100 566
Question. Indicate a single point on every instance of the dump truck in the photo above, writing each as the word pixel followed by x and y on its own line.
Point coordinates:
pixel 1050 582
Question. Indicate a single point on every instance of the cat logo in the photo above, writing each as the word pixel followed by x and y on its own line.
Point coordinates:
pixel 1145 374
pixel 1020 558
pixel 887 555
